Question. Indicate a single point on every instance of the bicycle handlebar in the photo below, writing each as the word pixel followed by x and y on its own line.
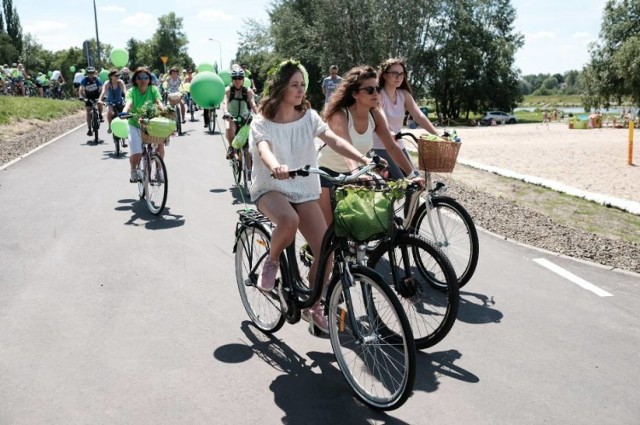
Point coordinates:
pixel 340 178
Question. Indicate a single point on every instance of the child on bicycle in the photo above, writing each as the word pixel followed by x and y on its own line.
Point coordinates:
pixel 282 137
pixel 353 113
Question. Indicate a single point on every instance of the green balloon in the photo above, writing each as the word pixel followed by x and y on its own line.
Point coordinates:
pixel 120 128
pixel 119 57
pixel 226 76
pixel 204 67
pixel 83 71
pixel 50 73
pixel 247 82
pixel 72 68
pixel 104 75
pixel 207 89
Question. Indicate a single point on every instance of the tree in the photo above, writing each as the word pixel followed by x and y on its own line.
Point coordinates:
pixel 169 40
pixel 255 49
pixel 14 29
pixel 609 76
pixel 8 52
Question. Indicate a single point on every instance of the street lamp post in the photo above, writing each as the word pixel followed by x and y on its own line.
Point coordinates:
pixel 95 16
pixel 220 46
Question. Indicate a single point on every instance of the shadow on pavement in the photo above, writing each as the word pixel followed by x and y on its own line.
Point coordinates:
pixel 432 366
pixel 478 309
pixel 314 393
pixel 142 216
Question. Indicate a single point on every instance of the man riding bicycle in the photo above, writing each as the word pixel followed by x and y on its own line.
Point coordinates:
pixel 238 103
pixel 90 88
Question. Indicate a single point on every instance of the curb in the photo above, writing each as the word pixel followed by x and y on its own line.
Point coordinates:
pixel 10 163
pixel 607 201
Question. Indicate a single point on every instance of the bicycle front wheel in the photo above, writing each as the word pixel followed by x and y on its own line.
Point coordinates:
pixel 424 281
pixel 246 170
pixel 452 230
pixel 158 185
pixel 263 309
pixel 379 365
pixel 96 126
pixel 212 121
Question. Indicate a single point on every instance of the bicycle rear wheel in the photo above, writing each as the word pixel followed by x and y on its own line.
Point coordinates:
pixel 158 185
pixel 251 251
pixel 96 125
pixel 431 308
pixel 379 365
pixel 455 234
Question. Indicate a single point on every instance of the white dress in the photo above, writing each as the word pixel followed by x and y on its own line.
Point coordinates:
pixel 293 145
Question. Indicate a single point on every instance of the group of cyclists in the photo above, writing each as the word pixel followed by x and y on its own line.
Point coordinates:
pixel 16 81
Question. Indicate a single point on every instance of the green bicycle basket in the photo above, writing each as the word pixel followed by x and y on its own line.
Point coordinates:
pixel 363 213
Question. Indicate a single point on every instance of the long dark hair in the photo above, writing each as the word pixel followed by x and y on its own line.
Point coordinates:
pixel 342 98
pixel 384 68
pixel 276 84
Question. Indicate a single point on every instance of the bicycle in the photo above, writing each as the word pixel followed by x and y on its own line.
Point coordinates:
pixel 210 117
pixel 117 109
pixel 420 274
pixel 241 161
pixel 444 221
pixel 174 100
pixel 94 119
pixel 190 106
pixel 369 332
pixel 153 183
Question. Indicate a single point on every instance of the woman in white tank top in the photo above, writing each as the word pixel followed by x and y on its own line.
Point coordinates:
pixel 353 114
pixel 396 99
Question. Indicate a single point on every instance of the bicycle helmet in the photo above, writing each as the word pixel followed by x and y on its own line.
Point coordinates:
pixel 90 69
pixel 237 72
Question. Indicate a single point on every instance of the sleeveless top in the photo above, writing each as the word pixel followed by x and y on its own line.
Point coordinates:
pixel 395 116
pixel 114 94
pixel 236 105
pixel 293 145
pixel 173 85
pixel 361 141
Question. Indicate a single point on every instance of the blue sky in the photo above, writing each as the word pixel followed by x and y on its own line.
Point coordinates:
pixel 557 32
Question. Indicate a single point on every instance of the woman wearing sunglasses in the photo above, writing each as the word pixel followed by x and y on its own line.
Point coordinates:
pixel 142 92
pixel 353 113
pixel 396 99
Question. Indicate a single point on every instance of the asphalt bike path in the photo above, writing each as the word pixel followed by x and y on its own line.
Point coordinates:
pixel 109 314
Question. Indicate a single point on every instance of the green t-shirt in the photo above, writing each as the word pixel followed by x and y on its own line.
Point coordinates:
pixel 138 100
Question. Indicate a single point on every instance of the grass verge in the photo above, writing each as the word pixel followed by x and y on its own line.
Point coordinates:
pixel 25 108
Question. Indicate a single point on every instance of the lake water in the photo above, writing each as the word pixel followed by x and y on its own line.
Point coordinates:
pixel 575 109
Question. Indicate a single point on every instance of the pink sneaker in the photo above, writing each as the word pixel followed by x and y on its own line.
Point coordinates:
pixel 267 278
pixel 316 317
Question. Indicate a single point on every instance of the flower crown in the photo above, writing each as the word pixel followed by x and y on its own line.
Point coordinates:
pixel 275 74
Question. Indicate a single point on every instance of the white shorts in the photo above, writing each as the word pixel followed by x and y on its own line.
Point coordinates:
pixel 135 140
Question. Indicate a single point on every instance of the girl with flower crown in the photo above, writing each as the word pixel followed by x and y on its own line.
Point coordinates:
pixel 282 138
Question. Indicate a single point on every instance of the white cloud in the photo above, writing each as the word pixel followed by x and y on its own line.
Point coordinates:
pixel 111 8
pixel 212 15
pixel 581 35
pixel 139 20
pixel 41 27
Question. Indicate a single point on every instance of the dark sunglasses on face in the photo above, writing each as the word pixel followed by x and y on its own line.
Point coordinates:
pixel 142 77
pixel 371 89
pixel 395 74
pixel 237 78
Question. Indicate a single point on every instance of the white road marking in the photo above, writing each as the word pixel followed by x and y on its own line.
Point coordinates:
pixel 572 277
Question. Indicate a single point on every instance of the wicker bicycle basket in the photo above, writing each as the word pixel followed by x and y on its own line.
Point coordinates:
pixel 174 98
pixel 437 156
pixel 146 138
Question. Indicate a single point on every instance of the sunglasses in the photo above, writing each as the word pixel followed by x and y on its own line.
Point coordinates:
pixel 371 89
pixel 395 74
pixel 237 78
pixel 142 77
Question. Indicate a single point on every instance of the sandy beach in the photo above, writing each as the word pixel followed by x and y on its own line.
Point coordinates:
pixel 592 160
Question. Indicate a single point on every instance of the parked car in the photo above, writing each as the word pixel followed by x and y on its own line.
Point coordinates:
pixel 499 117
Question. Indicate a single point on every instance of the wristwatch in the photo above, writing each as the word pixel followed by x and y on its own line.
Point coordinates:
pixel 414 174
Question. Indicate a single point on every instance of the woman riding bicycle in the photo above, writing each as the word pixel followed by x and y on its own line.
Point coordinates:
pixel 141 93
pixel 114 91
pixel 396 99
pixel 174 85
pixel 353 113
pixel 282 137
pixel 238 102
